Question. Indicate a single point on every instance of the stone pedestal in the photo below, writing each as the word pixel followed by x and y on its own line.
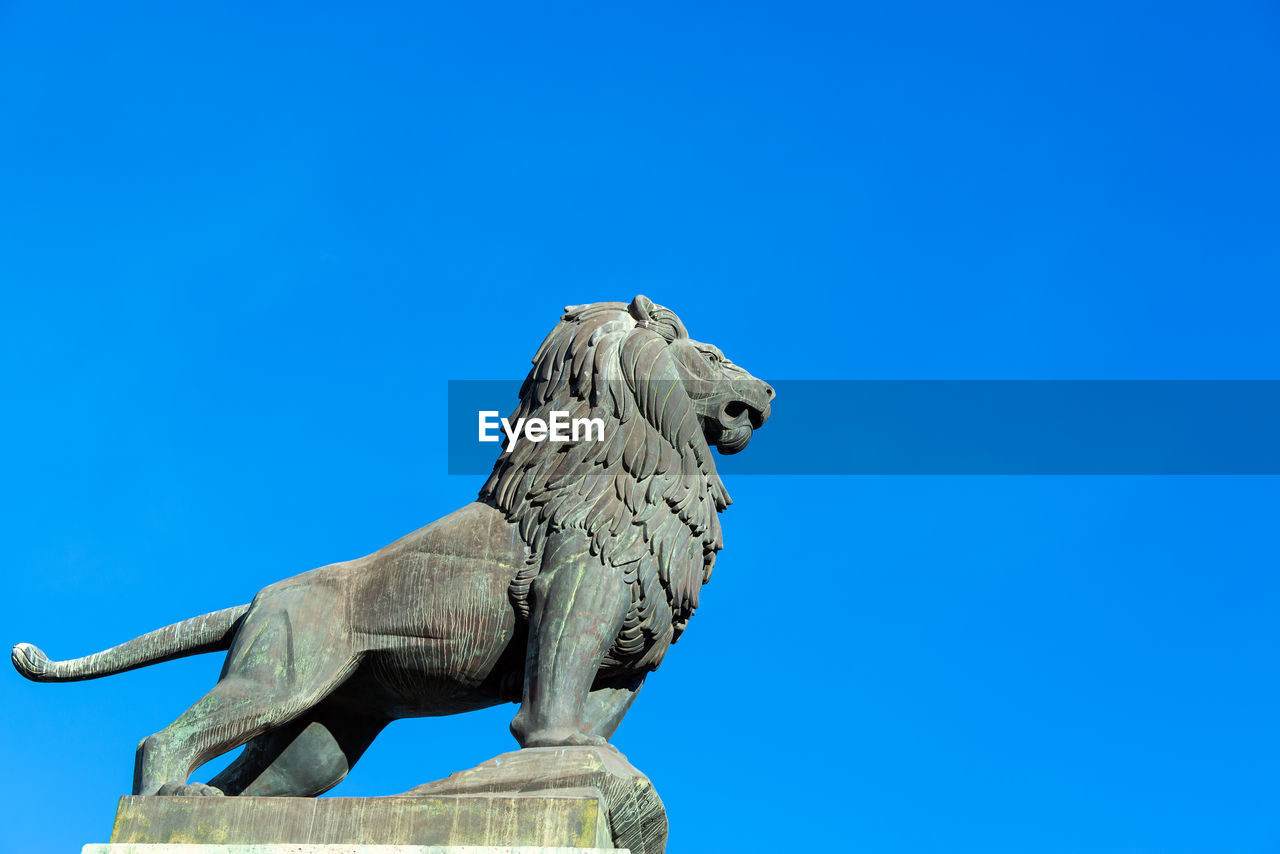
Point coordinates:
pixel 541 800
pixel 565 819
pixel 635 815
pixel 289 848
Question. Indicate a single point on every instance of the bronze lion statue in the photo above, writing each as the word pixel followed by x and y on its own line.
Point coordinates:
pixel 560 588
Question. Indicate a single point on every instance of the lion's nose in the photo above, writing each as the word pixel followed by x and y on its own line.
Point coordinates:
pixel 759 409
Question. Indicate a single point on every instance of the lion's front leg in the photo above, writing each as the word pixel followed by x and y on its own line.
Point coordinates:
pixel 608 702
pixel 578 608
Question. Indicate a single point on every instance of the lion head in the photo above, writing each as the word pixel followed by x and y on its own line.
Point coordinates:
pixel 647 493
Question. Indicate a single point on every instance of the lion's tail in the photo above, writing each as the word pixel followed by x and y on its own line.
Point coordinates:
pixel 206 633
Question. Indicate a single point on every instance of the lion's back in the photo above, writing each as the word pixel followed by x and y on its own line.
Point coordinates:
pixel 448 578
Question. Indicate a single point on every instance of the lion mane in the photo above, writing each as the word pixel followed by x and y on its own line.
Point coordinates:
pixel 647 495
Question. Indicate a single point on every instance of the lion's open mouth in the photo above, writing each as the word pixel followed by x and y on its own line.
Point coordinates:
pixel 731 430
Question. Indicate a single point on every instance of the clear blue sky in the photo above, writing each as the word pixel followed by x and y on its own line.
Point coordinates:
pixel 243 247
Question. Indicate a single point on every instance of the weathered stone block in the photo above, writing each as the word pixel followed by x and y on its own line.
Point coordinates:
pixel 572 819
pixel 635 813
pixel 289 848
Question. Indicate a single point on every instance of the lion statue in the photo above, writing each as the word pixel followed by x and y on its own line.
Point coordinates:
pixel 559 589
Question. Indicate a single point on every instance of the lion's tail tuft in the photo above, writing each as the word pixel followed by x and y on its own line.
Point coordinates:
pixel 31 662
pixel 206 633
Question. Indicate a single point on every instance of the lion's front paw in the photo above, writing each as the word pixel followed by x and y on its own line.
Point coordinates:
pixel 190 790
pixel 561 737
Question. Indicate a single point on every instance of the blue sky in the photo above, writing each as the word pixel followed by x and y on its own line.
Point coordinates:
pixel 243 248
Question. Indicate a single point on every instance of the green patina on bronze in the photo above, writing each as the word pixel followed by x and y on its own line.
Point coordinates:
pixel 561 588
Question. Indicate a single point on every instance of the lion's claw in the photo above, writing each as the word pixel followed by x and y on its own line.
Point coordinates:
pixel 189 790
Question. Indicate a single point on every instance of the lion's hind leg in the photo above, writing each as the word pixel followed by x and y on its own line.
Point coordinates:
pixel 287 657
pixel 306 757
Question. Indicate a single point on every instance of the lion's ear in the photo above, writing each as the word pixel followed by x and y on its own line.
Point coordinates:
pixel 641 309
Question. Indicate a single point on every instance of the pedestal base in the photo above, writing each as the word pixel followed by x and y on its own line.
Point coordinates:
pixel 561 819
pixel 543 800
pixel 290 848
